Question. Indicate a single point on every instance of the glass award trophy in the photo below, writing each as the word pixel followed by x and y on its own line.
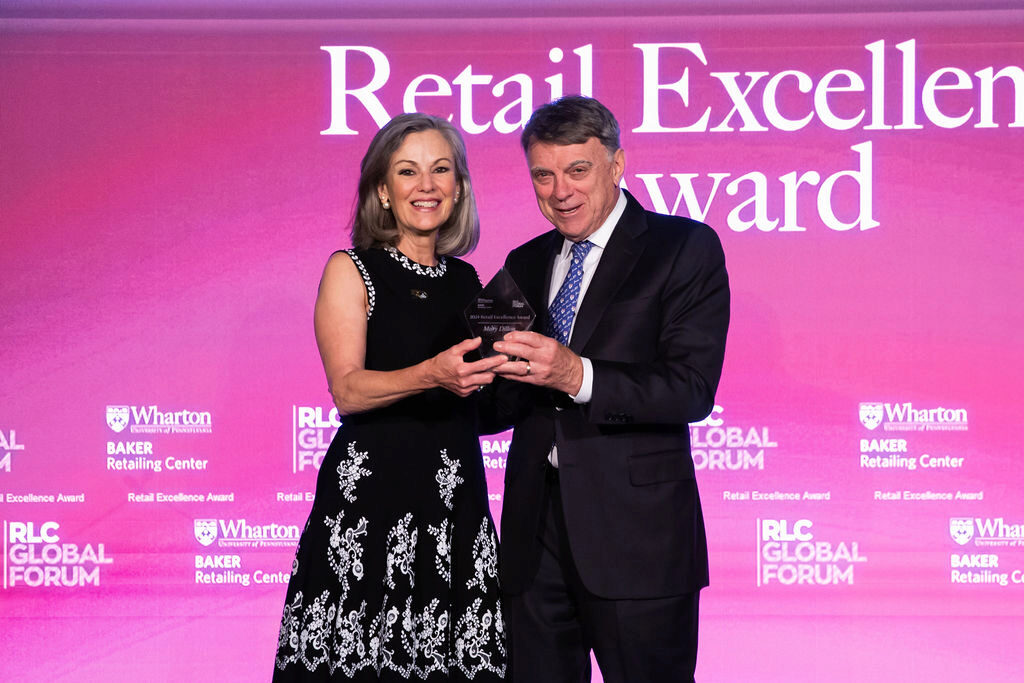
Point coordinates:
pixel 501 307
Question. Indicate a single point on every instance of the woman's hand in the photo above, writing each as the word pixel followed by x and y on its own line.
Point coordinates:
pixel 450 371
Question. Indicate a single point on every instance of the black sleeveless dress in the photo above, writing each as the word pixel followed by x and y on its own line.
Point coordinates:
pixel 396 575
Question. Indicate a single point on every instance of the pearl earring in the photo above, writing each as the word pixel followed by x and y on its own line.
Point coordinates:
pixel 385 203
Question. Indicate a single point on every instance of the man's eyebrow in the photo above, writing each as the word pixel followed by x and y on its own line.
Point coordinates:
pixel 571 164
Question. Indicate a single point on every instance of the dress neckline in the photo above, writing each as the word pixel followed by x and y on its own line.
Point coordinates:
pixel 428 271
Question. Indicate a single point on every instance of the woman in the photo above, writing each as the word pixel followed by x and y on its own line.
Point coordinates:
pixel 395 576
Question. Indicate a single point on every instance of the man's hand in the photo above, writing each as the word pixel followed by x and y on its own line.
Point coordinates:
pixel 542 361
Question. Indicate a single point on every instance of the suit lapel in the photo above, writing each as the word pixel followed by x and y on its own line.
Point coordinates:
pixel 619 257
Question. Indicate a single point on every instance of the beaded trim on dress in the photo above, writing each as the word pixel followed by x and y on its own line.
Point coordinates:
pixel 429 271
pixel 371 293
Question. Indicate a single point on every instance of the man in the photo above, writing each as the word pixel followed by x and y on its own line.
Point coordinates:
pixel 603 544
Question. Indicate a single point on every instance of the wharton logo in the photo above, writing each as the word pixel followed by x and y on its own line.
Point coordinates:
pixel 239 533
pixel 961 529
pixel 988 532
pixel 152 420
pixel 871 414
pixel 904 417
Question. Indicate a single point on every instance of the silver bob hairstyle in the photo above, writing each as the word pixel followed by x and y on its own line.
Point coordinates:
pixel 375 226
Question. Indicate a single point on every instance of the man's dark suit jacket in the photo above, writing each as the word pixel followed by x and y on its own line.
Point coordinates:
pixel 653 322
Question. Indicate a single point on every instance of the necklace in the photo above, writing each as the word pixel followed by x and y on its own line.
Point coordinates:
pixel 418 268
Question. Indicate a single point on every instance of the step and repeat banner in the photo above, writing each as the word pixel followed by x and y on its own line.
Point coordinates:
pixel 173 179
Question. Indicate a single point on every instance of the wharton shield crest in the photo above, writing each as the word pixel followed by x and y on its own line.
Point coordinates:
pixel 961 529
pixel 205 530
pixel 871 414
pixel 117 418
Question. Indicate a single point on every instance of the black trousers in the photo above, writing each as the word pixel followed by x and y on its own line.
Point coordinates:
pixel 556 622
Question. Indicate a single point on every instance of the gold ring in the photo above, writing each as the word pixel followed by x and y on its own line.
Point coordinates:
pixel 527 367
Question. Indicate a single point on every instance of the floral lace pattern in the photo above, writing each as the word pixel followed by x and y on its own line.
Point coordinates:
pixel 410 641
pixel 345 553
pixel 485 558
pixel 428 271
pixel 478 635
pixel 427 631
pixel 443 558
pixel 304 632
pixel 401 551
pixel 350 471
pixel 447 478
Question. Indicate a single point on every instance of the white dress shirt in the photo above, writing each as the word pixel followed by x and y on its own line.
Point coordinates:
pixel 599 238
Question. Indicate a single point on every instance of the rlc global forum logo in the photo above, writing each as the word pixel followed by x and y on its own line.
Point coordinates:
pixel 8 445
pixel 790 554
pixel 715 445
pixel 37 556
pixel 313 429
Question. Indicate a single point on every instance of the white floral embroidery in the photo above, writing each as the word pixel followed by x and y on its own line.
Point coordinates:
pixel 477 636
pixel 304 632
pixel 447 478
pixel 426 633
pixel 485 557
pixel 410 643
pixel 307 632
pixel 349 640
pixel 350 471
pixel 382 651
pixel 396 635
pixel 443 558
pixel 345 553
pixel 401 551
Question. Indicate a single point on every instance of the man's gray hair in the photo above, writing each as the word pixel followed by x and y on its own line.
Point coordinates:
pixel 572 120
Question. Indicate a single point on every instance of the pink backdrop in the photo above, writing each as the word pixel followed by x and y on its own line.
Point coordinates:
pixel 172 181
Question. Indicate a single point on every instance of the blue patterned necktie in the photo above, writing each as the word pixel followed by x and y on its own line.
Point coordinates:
pixel 563 309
